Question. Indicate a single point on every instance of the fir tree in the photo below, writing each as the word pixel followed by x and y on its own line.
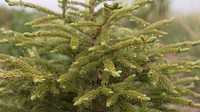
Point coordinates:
pixel 84 60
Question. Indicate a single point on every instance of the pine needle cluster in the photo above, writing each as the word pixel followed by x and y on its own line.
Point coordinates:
pixel 84 60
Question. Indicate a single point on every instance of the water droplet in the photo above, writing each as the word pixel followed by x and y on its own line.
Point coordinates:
pixel 146 5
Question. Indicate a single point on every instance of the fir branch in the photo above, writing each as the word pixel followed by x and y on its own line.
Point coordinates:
pixel 18 62
pixel 166 83
pixel 187 92
pixel 37 7
pixel 134 95
pixel 176 100
pixel 85 23
pixel 142 2
pixel 43 19
pixel 121 11
pixel 128 106
pixel 187 79
pixel 110 67
pixel 155 26
pixel 74 43
pixel 88 97
pixel 111 100
pixel 49 33
pixel 78 3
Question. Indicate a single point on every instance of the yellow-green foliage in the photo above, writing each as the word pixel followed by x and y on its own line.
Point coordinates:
pixel 96 63
pixel 14 19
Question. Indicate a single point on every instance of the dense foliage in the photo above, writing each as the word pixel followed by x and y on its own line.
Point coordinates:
pixel 96 65
pixel 14 19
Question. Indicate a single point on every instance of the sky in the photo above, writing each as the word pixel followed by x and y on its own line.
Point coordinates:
pixel 181 6
pixel 185 6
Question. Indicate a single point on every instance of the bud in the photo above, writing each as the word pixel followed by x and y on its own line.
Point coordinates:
pixel 151 39
pixel 114 5
pixel 106 5
pixel 119 7
pixel 143 38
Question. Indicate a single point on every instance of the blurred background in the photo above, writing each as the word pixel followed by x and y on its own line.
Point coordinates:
pixel 186 26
